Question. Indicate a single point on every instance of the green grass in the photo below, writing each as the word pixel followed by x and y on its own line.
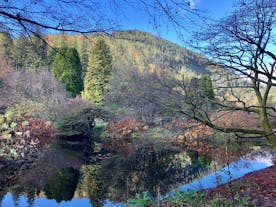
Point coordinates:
pixel 98 130
pixel 190 198
pixel 159 132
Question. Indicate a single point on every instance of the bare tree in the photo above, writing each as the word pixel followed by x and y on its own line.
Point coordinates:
pixel 137 93
pixel 39 88
pixel 242 49
pixel 89 16
pixel 80 16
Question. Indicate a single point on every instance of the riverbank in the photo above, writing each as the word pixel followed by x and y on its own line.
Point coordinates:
pixel 258 187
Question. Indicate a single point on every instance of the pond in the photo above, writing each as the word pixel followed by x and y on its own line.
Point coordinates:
pixel 64 177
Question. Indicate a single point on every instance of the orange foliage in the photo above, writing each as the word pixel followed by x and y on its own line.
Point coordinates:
pixel 259 187
pixel 235 119
pixel 125 126
pixel 5 67
pixel 197 137
pixel 37 129
pixel 121 146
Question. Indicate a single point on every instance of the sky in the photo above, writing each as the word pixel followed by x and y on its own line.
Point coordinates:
pixel 217 8
pixel 213 8
pixel 130 16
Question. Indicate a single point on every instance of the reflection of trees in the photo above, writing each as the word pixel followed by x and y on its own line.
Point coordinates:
pixel 30 195
pixel 17 190
pixel 93 185
pixel 62 186
pixel 119 178
pixel 30 178
pixel 145 170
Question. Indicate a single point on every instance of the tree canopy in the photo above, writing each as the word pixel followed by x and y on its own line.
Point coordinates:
pixel 205 83
pixel 67 69
pixel 96 80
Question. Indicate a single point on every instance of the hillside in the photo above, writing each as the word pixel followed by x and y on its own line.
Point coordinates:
pixel 131 50
pixel 136 49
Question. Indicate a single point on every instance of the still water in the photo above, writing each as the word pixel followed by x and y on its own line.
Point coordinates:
pixel 62 177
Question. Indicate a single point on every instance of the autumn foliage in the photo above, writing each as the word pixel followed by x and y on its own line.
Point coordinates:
pixel 259 186
pixel 26 138
pixel 125 126
pixel 236 119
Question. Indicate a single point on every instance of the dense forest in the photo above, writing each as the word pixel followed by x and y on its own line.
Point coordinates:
pixel 134 55
pixel 136 49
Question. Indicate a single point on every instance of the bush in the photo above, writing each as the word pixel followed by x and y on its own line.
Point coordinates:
pixel 76 122
pixel 141 200
pixel 31 92
pixel 24 137
pixel 26 108
pixel 195 199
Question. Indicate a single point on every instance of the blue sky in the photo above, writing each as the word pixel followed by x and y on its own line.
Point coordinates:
pixel 129 13
pixel 135 20
pixel 217 8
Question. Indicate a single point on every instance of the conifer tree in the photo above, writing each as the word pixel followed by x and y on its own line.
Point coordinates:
pixel 96 80
pixel 67 69
pixel 206 86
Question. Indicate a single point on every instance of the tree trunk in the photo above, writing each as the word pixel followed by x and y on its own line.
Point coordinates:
pixel 272 139
pixel 267 127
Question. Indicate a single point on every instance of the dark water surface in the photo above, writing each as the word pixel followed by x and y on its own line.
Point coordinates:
pixel 63 177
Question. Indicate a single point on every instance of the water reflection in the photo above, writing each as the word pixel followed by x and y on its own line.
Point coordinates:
pixel 63 175
pixel 119 178
pixel 62 186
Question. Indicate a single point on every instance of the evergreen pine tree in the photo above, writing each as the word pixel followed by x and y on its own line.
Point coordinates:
pixel 96 80
pixel 206 86
pixel 67 69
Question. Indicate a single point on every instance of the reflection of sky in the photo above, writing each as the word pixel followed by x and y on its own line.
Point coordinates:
pixel 44 202
pixel 247 164
pixel 225 175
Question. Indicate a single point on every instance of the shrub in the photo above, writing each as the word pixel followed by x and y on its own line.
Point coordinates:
pixel 124 127
pixel 26 108
pixel 35 92
pixel 76 122
pixel 141 200
pixel 24 137
pixel 191 198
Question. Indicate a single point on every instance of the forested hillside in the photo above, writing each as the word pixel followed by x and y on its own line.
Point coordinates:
pixel 134 54
pixel 136 49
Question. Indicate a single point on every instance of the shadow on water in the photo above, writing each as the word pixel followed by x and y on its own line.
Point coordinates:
pixel 65 177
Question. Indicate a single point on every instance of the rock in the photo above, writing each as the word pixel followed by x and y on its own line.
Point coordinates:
pixel 145 128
